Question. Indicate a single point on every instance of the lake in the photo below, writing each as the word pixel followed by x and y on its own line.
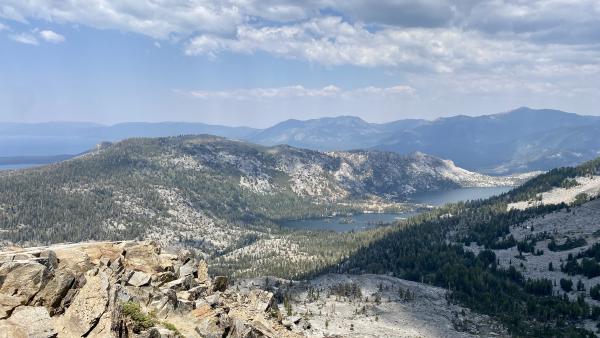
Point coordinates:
pixel 343 223
pixel 16 166
pixel 361 222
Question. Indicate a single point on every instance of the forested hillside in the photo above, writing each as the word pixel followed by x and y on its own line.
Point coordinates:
pixel 185 188
pixel 430 248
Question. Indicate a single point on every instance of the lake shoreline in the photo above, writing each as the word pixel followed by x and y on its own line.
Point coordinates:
pixel 368 219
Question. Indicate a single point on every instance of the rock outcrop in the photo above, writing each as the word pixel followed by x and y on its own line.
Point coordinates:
pixel 126 289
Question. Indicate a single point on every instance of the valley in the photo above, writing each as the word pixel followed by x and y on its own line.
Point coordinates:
pixel 177 189
pixel 226 198
pixel 227 201
pixel 299 169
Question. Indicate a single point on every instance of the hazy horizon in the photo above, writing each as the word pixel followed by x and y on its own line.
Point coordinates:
pixel 281 121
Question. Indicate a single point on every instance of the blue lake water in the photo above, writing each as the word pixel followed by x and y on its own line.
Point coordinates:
pixel 361 222
pixel 347 223
pixel 16 166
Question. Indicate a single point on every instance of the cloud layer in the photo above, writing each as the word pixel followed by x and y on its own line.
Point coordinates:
pixel 299 91
pixel 467 46
pixel 440 35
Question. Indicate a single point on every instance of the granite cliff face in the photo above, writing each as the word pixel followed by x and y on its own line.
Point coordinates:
pixel 126 289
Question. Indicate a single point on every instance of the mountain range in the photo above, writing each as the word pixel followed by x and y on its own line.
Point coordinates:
pixel 517 141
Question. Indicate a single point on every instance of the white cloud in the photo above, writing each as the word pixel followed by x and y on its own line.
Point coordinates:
pixel 3 27
pixel 267 93
pixel 156 19
pixel 490 42
pixel 332 41
pixel 386 32
pixel 25 38
pixel 298 91
pixel 52 37
pixel 387 91
pixel 181 19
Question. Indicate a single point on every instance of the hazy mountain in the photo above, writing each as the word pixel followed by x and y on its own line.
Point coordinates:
pixel 517 141
pixel 331 133
pixel 520 140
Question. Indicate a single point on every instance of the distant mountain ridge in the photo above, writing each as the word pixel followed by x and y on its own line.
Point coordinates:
pixel 331 133
pixel 520 140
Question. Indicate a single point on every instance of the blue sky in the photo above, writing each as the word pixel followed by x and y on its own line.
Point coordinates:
pixel 250 62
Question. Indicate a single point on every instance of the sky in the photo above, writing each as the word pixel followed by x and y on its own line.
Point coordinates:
pixel 258 62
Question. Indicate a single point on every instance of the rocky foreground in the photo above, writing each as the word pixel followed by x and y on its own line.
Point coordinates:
pixel 133 289
pixel 125 289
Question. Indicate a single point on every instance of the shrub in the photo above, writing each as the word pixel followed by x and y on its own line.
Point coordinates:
pixel 173 328
pixel 566 284
pixel 581 198
pixel 134 312
pixel 567 245
pixel 595 292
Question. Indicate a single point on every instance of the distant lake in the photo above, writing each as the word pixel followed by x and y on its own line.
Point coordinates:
pixel 356 222
pixel 361 222
pixel 16 166
pixel 457 195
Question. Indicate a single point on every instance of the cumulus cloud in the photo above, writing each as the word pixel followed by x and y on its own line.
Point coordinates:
pixel 471 39
pixel 156 19
pixel 52 37
pixel 437 35
pixel 299 91
pixel 184 18
pixel 25 38
pixel 328 40
pixel 333 41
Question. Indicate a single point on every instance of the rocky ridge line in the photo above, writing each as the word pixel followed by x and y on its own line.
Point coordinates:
pixel 127 289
